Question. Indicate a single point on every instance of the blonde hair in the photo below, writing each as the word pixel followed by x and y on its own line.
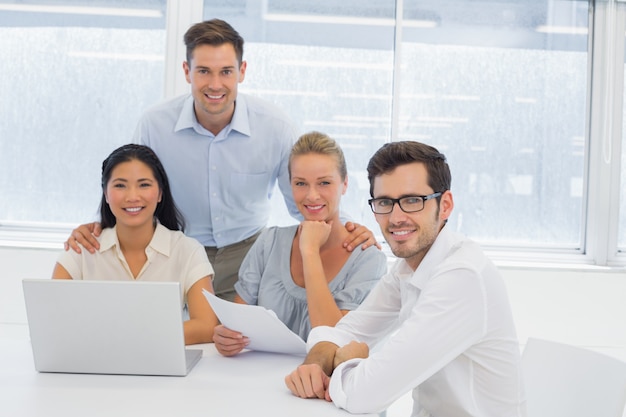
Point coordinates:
pixel 319 143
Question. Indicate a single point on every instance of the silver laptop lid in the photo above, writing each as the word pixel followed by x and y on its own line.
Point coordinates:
pixel 106 327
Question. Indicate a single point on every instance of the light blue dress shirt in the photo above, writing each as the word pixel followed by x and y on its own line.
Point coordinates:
pixel 222 184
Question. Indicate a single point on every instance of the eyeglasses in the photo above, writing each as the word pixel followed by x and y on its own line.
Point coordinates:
pixel 409 204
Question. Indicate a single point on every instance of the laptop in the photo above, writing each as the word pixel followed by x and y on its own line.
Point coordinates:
pixel 107 327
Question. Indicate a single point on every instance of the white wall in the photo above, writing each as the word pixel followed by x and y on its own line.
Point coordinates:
pixel 15 265
pixel 581 307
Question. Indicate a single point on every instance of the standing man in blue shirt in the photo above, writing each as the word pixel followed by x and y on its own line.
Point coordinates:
pixel 224 152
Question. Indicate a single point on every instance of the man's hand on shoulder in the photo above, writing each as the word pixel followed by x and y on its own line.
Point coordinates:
pixel 86 235
pixel 359 235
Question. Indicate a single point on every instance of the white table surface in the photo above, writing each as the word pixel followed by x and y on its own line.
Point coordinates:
pixel 249 384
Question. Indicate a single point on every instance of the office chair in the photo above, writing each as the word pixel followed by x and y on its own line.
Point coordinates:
pixel 567 381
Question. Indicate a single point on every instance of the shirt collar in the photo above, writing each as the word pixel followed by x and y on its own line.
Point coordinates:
pixel 240 121
pixel 108 239
pixel 187 118
pixel 433 258
pixel 160 240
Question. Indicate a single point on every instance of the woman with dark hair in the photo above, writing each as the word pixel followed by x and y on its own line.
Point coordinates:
pixel 142 238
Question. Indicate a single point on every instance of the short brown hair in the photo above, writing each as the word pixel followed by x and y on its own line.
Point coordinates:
pixel 394 154
pixel 214 32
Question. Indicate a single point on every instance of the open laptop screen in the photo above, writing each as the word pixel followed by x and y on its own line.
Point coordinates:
pixel 107 327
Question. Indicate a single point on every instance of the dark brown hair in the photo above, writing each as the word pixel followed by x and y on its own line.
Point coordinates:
pixel 394 154
pixel 166 211
pixel 214 32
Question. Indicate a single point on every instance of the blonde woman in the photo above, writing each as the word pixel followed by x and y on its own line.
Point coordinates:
pixel 303 272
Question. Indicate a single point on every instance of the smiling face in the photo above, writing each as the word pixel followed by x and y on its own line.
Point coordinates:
pixel 317 186
pixel 410 235
pixel 132 194
pixel 214 74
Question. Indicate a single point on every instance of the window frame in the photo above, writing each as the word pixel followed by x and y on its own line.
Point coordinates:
pixel 604 141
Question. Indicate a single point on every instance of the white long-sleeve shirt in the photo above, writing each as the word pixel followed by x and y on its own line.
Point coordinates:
pixel 448 335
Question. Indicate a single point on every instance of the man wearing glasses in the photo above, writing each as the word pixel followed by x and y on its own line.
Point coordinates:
pixel 441 315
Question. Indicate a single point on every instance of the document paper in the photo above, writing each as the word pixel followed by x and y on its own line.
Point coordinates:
pixel 264 329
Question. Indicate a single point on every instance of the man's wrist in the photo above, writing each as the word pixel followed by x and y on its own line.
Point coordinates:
pixel 323 354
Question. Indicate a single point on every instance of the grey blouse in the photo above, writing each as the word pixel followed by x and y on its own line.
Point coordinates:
pixel 265 278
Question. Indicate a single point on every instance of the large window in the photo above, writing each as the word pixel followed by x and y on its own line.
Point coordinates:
pixel 76 75
pixel 517 94
pixel 499 87
pixel 330 66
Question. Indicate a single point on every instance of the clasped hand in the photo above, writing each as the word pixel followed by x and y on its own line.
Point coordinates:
pixel 310 381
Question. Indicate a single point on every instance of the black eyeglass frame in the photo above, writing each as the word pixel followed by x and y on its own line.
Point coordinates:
pixel 395 201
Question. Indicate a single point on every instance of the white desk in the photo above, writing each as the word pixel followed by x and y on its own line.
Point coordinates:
pixel 250 384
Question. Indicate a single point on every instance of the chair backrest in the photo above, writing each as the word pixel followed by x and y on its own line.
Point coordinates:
pixel 568 381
